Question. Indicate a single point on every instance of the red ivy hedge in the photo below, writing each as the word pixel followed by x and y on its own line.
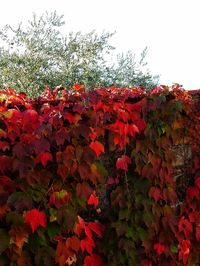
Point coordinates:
pixel 87 178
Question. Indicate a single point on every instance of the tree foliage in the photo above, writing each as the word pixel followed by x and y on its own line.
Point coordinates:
pixel 41 54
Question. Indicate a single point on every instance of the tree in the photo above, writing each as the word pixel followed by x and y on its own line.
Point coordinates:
pixel 40 55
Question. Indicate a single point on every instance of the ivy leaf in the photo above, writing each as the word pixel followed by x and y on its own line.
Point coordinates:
pixel 93 200
pixel 122 162
pixel 194 216
pixel 184 250
pixel 24 259
pixel 87 244
pixel 4 240
pixel 97 147
pixel 53 229
pixel 14 218
pixel 6 163
pixel 4 146
pixel 93 260
pixel 73 243
pixel 192 192
pixel 197 182
pixel 40 145
pixel 79 87
pixel 173 249
pixel 35 218
pixel 197 233
pixel 20 201
pixel 18 236
pixel 44 158
pixel 159 248
pixel 185 226
pixel 72 118
pixel 29 120
pixel 59 198
pixel 155 193
pixel 95 227
pixel 82 130
pixel 83 190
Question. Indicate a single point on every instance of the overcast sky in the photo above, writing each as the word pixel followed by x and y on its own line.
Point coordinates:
pixel 169 28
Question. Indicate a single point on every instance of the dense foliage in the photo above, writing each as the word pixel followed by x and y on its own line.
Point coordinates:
pixel 88 178
pixel 41 53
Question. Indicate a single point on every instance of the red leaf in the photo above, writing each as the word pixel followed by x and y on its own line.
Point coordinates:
pixel 35 218
pixel 141 124
pixel 95 227
pixel 93 260
pixel 185 226
pixel 132 129
pixel 197 233
pixel 160 248
pixel 194 217
pixel 184 250
pixel 73 243
pixel 44 158
pixel 87 244
pixel 197 182
pixel 155 193
pixel 6 163
pixel 192 192
pixel 93 200
pixel 4 146
pixel 122 162
pixel 59 198
pixel 2 133
pixel 83 190
pixel 72 118
pixel 97 147
pixel 88 232
pixel 7 184
pixel 30 119
pixel 78 228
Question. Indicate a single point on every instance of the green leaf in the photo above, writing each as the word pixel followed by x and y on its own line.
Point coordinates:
pixel 143 234
pixel 53 229
pixel 123 214
pixel 20 201
pixel 142 185
pixel 131 233
pixel 173 249
pixel 179 105
pixel 15 218
pixel 4 240
pixel 102 170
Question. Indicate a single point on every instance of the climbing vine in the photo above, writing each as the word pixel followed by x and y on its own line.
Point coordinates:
pixel 89 178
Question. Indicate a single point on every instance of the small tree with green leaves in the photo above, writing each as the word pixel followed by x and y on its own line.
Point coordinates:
pixel 40 54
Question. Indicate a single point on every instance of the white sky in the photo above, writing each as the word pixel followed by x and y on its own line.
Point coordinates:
pixel 169 28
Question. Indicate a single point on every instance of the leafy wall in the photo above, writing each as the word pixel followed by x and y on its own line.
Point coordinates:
pixel 90 178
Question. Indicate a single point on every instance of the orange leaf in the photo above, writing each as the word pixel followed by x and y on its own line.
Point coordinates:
pixel 93 200
pixel 97 147
pixel 78 87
